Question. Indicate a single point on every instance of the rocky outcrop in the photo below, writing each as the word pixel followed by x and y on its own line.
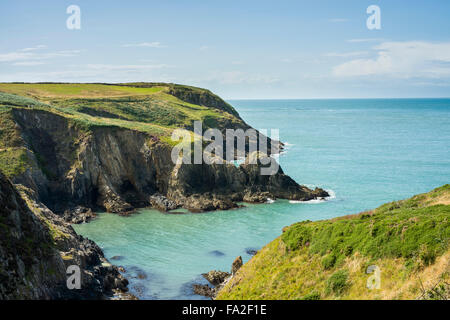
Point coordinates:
pixel 218 279
pixel 117 170
pixel 79 215
pixel 236 265
pixel 37 247
pixel 161 203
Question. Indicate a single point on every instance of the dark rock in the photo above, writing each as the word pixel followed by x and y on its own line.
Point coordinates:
pixel 79 215
pixel 217 253
pixel 251 251
pixel 161 203
pixel 116 258
pixel 204 290
pixel 216 277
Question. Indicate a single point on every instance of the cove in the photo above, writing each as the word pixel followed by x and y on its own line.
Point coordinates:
pixel 365 152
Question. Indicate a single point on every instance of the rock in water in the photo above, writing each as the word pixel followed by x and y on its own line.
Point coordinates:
pixel 217 253
pixel 204 290
pixel 236 265
pixel 216 277
pixel 158 201
pixel 251 251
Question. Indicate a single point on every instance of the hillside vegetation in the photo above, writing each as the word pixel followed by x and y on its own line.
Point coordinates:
pixel 407 240
pixel 153 108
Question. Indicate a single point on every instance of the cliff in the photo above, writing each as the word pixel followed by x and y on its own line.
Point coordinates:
pixel 398 251
pixel 107 147
pixel 37 247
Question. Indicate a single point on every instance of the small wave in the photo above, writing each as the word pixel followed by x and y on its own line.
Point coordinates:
pixel 316 201
pixel 287 144
pixel 270 200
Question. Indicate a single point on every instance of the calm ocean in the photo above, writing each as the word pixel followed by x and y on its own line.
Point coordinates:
pixel 365 152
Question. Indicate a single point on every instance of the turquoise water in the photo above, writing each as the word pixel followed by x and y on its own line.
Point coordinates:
pixel 367 152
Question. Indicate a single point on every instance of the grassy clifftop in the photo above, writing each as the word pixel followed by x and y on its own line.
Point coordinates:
pixel 407 240
pixel 153 108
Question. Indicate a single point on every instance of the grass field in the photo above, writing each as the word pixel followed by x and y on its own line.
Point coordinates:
pixel 154 108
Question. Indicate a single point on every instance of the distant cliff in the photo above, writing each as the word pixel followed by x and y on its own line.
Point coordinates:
pixel 398 251
pixel 107 147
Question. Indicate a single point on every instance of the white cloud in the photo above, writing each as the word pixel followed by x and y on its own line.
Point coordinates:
pixel 401 60
pixel 28 63
pixel 34 48
pixel 27 55
pixel 155 44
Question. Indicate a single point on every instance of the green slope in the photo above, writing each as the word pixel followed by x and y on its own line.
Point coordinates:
pixel 154 108
pixel 407 240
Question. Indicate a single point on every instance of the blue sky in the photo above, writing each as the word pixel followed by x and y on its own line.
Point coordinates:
pixel 238 49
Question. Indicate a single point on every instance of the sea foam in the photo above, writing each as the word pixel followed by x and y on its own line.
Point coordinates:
pixel 315 201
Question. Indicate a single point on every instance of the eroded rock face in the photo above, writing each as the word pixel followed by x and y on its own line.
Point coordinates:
pixel 236 265
pixel 37 247
pixel 117 170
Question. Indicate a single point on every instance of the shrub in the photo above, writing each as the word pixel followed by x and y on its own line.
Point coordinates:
pixel 329 261
pixel 338 282
pixel 311 296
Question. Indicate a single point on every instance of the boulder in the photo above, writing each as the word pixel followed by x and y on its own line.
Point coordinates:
pixel 160 202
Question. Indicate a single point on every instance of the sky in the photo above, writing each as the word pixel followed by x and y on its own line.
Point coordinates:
pixel 242 49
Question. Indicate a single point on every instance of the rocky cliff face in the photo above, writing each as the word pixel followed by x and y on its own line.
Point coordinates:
pixel 37 247
pixel 76 158
pixel 117 170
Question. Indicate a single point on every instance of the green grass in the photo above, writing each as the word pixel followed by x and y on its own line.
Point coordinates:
pixel 399 229
pixel 407 240
pixel 74 90
pixel 149 108
pixel 13 161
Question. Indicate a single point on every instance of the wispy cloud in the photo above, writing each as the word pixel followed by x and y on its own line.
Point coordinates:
pixel 154 44
pixel 38 47
pixel 28 63
pixel 412 59
pixel 29 54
